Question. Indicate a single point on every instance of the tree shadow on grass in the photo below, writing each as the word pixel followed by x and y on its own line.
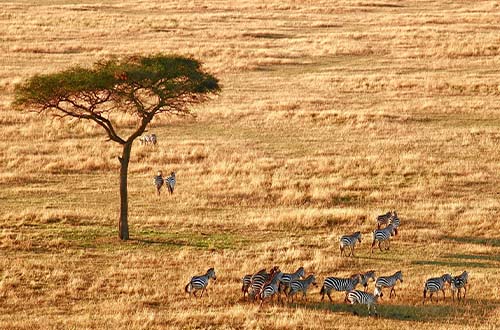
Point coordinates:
pixel 454 264
pixel 495 242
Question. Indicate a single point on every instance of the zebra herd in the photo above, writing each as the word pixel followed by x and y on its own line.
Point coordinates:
pixel 148 139
pixel 169 182
pixel 265 285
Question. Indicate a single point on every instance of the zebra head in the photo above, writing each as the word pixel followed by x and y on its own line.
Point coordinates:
pixel 312 279
pixel 172 174
pixel 356 278
pixel 211 274
pixel 358 236
pixel 300 272
pixel 447 278
pixel 366 276
pixel 399 276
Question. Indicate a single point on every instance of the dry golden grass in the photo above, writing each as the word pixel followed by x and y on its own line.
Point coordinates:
pixel 330 114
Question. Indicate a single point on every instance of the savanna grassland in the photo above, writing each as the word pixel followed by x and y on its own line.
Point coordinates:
pixel 331 113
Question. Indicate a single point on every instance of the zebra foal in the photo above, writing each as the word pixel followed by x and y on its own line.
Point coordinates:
pixel 200 282
pixel 436 284
pixel 349 241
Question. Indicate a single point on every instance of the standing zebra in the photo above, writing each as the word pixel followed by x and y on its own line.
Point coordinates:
pixel 389 282
pixel 301 285
pixel 382 235
pixel 158 182
pixel 289 277
pixel 270 288
pixel 349 241
pixel 435 284
pixel 395 222
pixel 459 282
pixel 247 281
pixel 365 277
pixel 258 281
pixel 170 182
pixel 383 219
pixel 339 284
pixel 200 282
pixel 365 298
pixel 152 139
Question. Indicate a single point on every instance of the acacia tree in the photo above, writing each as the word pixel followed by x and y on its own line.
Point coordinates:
pixel 140 87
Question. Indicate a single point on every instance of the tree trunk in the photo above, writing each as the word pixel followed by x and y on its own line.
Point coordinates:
pixel 123 222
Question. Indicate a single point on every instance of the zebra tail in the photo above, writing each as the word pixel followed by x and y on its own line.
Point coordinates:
pixel 425 293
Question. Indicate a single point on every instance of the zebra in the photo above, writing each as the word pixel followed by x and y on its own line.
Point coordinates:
pixel 200 282
pixel 301 285
pixel 349 241
pixel 339 284
pixel 365 277
pixel 389 282
pixel 170 182
pixel 383 219
pixel 435 284
pixel 258 281
pixel 148 139
pixel 365 298
pixel 459 282
pixel 395 222
pixel 270 288
pixel 158 182
pixel 152 139
pixel 288 277
pixel 382 235
pixel 247 281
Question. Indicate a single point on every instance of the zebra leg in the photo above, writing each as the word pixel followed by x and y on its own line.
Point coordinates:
pixel 329 297
pixel 375 310
pixel 444 295
pixel 352 251
pixel 373 244
pixel 465 291
pixel 341 251
pixel 430 296
pixel 379 246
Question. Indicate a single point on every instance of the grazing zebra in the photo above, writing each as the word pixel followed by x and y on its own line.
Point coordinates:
pixel 395 222
pixel 435 284
pixel 383 219
pixel 148 139
pixel 288 277
pixel 365 277
pixel 349 241
pixel 258 281
pixel 339 284
pixel 365 298
pixel 170 182
pixel 158 182
pixel 301 285
pixel 270 288
pixel 247 280
pixel 389 282
pixel 459 282
pixel 382 235
pixel 200 282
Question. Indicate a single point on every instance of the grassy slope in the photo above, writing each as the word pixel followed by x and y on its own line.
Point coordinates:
pixel 329 116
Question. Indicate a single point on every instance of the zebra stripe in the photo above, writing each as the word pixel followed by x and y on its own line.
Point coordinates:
pixel 436 284
pixel 383 219
pixel 247 281
pixel 459 282
pixel 365 277
pixel 259 280
pixel 339 284
pixel 349 241
pixel 158 181
pixel 301 285
pixel 270 288
pixel 365 298
pixel 170 182
pixel 395 222
pixel 382 235
pixel 289 277
pixel 200 282
pixel 389 282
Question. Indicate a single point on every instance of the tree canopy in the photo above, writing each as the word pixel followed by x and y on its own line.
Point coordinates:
pixel 139 86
